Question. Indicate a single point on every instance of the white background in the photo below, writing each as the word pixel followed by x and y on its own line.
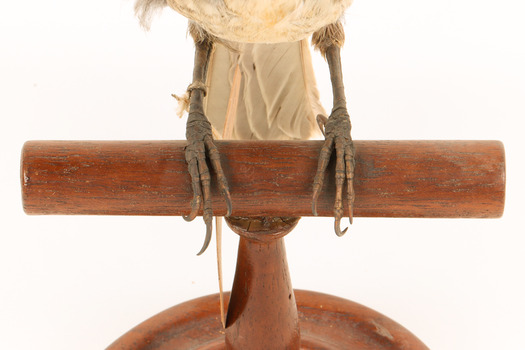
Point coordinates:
pixel 413 70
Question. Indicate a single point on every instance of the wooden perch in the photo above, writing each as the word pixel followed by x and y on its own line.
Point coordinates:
pixel 447 179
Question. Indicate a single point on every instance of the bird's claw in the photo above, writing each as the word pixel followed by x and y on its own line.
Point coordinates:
pixel 337 227
pixel 207 238
pixel 321 122
pixel 200 145
pixel 195 206
pixel 337 135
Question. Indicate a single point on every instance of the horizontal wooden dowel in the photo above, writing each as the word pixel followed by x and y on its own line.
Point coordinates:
pixel 449 179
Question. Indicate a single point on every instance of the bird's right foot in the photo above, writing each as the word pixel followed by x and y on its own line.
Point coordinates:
pixel 200 146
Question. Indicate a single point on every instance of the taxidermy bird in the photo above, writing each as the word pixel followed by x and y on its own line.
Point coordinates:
pixel 253 79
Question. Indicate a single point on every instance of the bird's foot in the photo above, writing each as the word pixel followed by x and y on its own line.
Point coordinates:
pixel 337 135
pixel 200 146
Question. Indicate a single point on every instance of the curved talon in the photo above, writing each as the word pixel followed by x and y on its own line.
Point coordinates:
pixel 321 122
pixel 190 217
pixel 207 239
pixel 228 199
pixel 195 206
pixel 337 227
pixel 314 204
pixel 317 191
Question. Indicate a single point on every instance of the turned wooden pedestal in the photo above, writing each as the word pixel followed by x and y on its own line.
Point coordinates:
pixel 270 184
pixel 264 312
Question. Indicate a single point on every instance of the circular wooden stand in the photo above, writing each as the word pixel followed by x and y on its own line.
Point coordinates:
pixel 264 312
pixel 326 322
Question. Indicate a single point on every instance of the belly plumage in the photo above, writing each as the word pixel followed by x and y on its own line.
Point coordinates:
pixel 261 21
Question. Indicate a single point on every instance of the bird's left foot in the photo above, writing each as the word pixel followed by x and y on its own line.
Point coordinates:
pixel 337 135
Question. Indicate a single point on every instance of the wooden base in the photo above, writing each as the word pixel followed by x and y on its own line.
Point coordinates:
pixel 326 322
pixel 264 312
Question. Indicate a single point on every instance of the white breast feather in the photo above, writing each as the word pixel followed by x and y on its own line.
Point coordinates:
pixel 261 21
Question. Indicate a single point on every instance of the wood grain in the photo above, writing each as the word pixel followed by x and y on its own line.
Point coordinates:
pixel 447 179
pixel 262 300
pixel 327 322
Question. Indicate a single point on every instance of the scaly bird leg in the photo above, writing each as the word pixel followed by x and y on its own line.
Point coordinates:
pixel 336 129
pixel 200 141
